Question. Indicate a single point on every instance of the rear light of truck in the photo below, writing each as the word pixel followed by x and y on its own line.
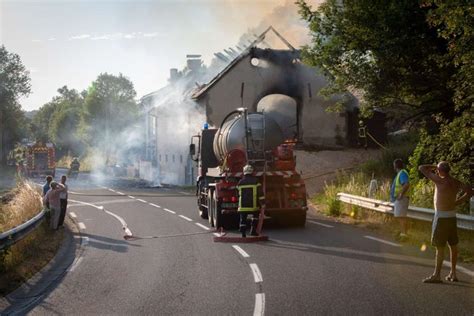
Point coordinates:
pixel 234 199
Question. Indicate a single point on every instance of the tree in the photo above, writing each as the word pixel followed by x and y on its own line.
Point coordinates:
pixel 14 83
pixel 109 107
pixel 454 21
pixel 386 50
pixel 58 120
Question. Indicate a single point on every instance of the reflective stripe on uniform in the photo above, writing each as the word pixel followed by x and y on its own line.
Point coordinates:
pixel 252 187
pixel 398 185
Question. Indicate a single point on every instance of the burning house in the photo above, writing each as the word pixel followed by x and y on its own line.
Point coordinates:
pixel 257 77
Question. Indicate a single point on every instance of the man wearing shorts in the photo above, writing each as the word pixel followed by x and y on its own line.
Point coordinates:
pixel 444 222
pixel 399 196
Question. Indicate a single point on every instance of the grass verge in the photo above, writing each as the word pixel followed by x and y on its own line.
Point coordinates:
pixel 24 205
pixel 22 260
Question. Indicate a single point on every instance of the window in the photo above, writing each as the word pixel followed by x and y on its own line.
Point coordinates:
pixel 153 125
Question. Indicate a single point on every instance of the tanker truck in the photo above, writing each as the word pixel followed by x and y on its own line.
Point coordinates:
pixel 221 153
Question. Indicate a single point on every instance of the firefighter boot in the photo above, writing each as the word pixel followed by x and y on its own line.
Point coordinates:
pixel 253 228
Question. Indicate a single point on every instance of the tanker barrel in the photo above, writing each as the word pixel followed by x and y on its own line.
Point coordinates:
pixel 232 135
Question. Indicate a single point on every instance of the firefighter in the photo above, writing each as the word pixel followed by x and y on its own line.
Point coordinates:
pixel 250 200
pixel 75 165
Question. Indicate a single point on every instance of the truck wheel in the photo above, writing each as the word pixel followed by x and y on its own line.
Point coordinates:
pixel 203 212
pixel 218 217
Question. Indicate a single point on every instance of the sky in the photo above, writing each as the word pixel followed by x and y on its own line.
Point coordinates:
pixel 70 42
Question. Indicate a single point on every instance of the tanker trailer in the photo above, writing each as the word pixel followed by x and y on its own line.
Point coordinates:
pixel 222 153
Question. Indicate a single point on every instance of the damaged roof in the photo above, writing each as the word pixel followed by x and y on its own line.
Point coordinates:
pixel 202 90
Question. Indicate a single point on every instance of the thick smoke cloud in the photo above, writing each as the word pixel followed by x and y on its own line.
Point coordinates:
pixel 287 21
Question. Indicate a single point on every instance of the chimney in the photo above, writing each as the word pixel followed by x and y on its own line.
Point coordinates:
pixel 194 62
pixel 174 74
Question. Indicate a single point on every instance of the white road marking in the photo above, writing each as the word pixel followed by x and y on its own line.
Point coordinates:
pixel 121 220
pixel 169 211
pixel 257 275
pixel 186 193
pixel 154 205
pixel 81 225
pixel 72 214
pixel 84 240
pixel 241 251
pixel 217 235
pixel 112 190
pixel 121 193
pixel 75 264
pixel 259 309
pixel 105 202
pixel 132 197
pixel 142 200
pixel 459 268
pixel 383 241
pixel 202 226
pixel 186 218
pixel 320 224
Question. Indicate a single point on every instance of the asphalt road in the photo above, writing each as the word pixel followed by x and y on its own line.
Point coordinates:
pixel 325 268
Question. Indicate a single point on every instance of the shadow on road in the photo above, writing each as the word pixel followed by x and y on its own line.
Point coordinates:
pixel 106 243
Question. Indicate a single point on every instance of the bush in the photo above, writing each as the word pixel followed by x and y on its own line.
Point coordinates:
pixel 453 143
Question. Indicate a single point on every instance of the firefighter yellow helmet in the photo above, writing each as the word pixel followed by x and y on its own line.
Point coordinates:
pixel 248 169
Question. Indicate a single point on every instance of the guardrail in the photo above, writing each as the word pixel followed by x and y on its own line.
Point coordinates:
pixel 13 235
pixel 420 213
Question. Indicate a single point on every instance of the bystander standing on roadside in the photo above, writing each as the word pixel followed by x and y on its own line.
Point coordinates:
pixel 399 196
pixel 52 197
pixel 46 188
pixel 444 228
pixel 63 201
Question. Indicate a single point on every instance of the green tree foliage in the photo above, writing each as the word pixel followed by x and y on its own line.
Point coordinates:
pixel 109 107
pixel 14 83
pixel 386 50
pixel 412 58
pixel 58 120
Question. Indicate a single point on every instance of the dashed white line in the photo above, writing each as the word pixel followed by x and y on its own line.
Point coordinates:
pixel 84 240
pixel 185 193
pixel 257 275
pixel 241 251
pixel 459 268
pixel 142 200
pixel 217 235
pixel 169 211
pixel 72 214
pixel 202 226
pixel 383 241
pixel 81 225
pixel 132 197
pixel 99 207
pixel 259 309
pixel 75 264
pixel 320 224
pixel 154 205
pixel 186 218
pixel 118 192
pixel 112 190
